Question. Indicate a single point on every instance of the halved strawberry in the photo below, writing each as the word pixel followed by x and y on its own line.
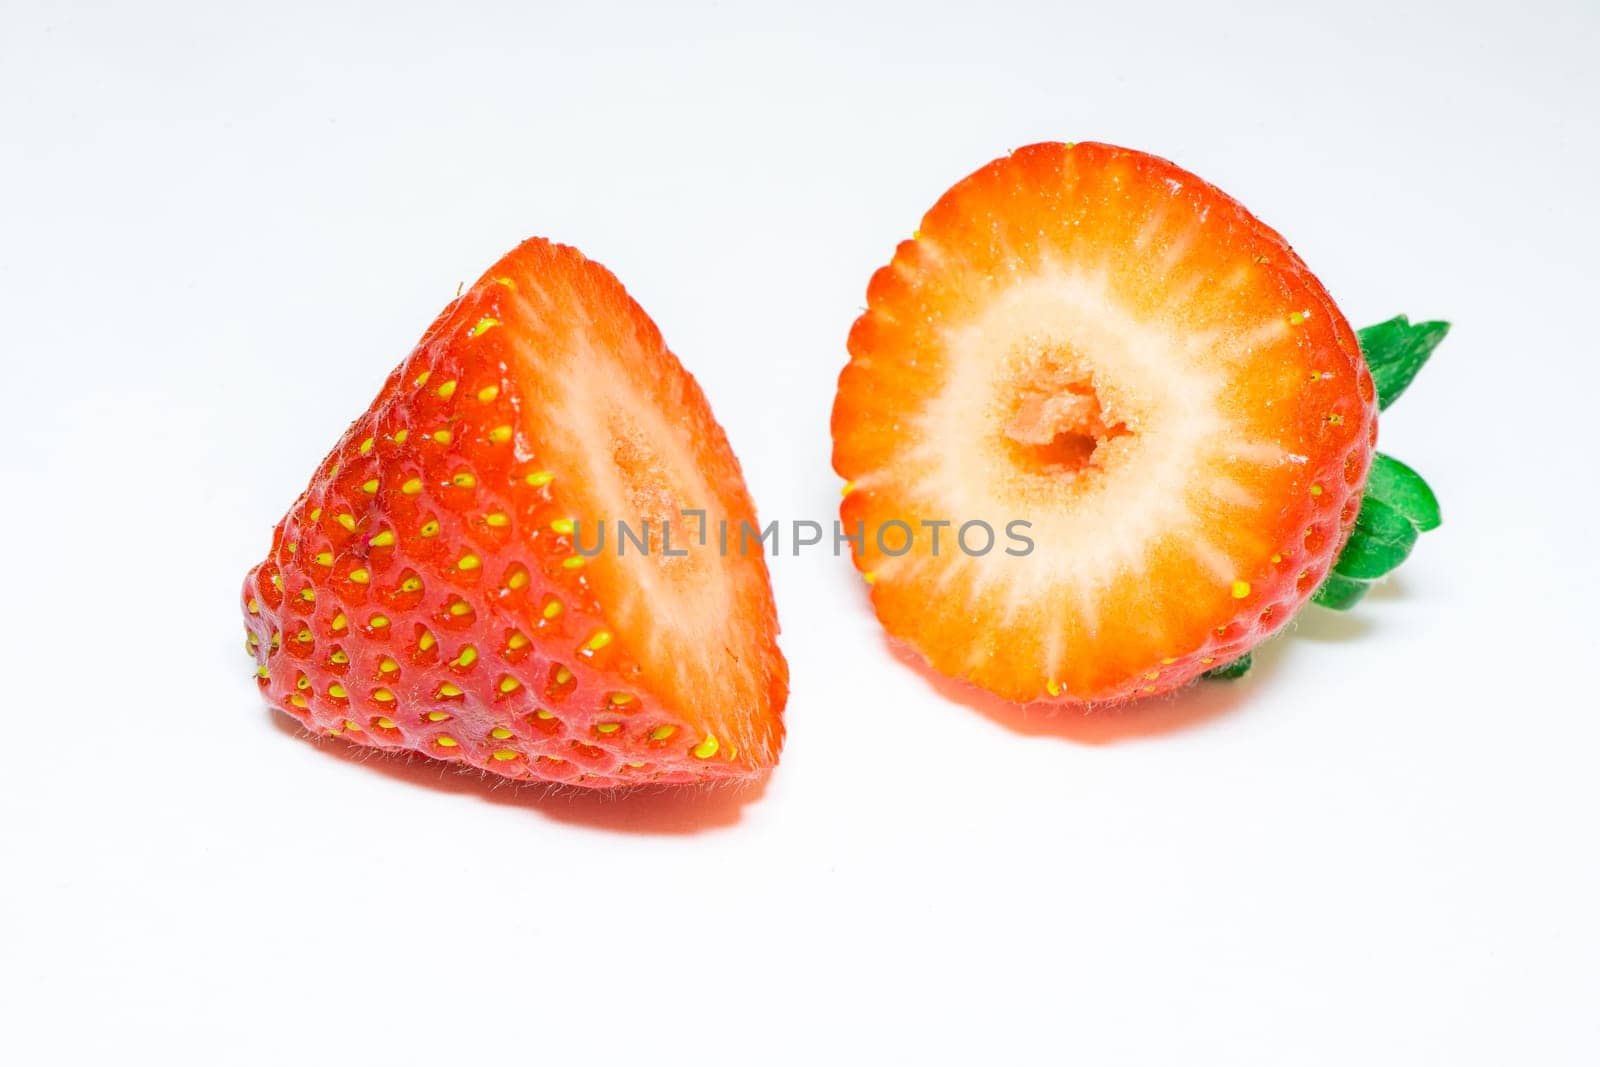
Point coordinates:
pixel 1096 343
pixel 426 592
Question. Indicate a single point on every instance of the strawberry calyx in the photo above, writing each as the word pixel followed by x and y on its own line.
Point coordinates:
pixel 1397 505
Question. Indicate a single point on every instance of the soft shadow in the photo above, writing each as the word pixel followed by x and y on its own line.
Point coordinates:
pixel 1185 709
pixel 669 809
pixel 1334 627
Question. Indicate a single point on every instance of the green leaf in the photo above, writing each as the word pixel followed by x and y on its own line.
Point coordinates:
pixel 1340 593
pixel 1228 671
pixel 1380 542
pixel 1396 350
pixel 1403 489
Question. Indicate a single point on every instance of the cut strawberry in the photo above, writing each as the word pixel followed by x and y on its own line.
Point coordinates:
pixel 427 592
pixel 1099 345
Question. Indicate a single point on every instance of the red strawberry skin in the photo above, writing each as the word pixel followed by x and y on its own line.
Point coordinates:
pixel 424 593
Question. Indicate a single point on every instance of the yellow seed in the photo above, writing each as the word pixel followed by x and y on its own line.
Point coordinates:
pixel 467 658
pixel 507 282
pixel 261 672
pixel 422 379
pixel 1207 660
pixel 430 528
pixel 411 584
pixel 505 754
pixel 1296 318
pixel 449 690
pixel 336 691
pixel 552 608
pixel 460 608
pixel 366 446
pixel 378 622
pixel 1336 419
pixel 661 733
pixel 464 480
pixel 369 486
pixel 516 641
pixel 1053 687
pixel 1277 558
pixel 619 699
pixel 316 515
pixel 426 641
pixel 382 696
pixel 484 325
pixel 412 486
pixel 488 393
pixel 538 478
pixel 339 657
pixel 500 733
pixel 500 435
pixel 1316 490
pixel 443 437
pixel 324 559
pixel 445 741
pixel 277 640
pixel 293 547
pixel 302 683
pixel 1240 590
pixel 277 582
pixel 869 577
pixel 448 389
pixel 572 563
pixel 437 716
pixel 360 576
pixel 298 701
pixel 608 727
pixel 387 665
pixel 509 684
pixel 254 607
pixel 340 622
pixel 347 520
pixel 562 526
pixel 497 519
pixel 304 637
pixel 543 714
pixel 847 488
pixel 385 723
pixel 1148 689
pixel 1151 676
pixel 707 748
pixel 600 640
pixel 633 765
pixel 469 562
pixel 563 676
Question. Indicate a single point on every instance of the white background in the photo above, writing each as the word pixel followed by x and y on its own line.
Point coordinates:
pixel 223 224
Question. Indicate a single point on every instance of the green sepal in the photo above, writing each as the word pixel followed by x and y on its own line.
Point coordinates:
pixel 1228 671
pixel 1395 350
pixel 1403 489
pixel 1380 542
pixel 1340 593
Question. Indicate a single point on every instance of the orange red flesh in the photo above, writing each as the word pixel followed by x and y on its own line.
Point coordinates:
pixel 1100 344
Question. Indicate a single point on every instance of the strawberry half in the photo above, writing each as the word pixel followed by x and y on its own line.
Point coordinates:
pixel 1098 344
pixel 427 592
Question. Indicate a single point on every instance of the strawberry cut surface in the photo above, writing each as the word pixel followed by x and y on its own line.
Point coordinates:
pixel 427 593
pixel 1102 346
